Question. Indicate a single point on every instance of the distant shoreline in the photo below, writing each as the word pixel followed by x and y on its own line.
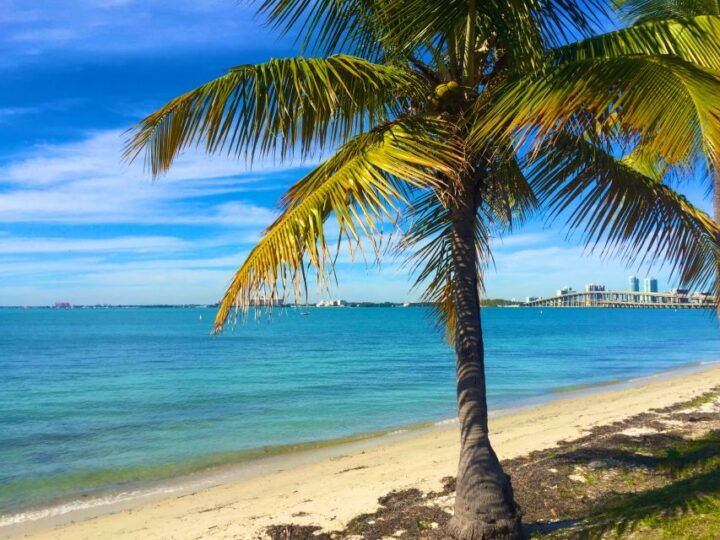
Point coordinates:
pixel 489 303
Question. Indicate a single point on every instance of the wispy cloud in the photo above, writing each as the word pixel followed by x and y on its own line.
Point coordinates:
pixel 80 265
pixel 177 279
pixel 42 27
pixel 98 279
pixel 519 240
pixel 99 221
pixel 87 182
pixel 138 244
pixel 8 113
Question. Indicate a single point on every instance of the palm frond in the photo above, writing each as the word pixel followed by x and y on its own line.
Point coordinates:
pixel 627 95
pixel 518 25
pixel 505 197
pixel 625 213
pixel 275 107
pixel 329 26
pixel 360 187
pixel 428 238
pixel 695 39
pixel 641 11
pixel 562 21
pixel 646 163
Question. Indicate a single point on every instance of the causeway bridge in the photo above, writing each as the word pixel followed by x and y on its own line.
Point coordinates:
pixel 626 299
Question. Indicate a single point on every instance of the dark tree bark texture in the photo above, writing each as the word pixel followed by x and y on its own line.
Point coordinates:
pixel 484 502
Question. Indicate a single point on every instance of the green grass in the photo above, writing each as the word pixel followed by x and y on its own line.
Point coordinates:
pixel 700 400
pixel 694 526
pixel 693 457
pixel 628 478
pixel 687 508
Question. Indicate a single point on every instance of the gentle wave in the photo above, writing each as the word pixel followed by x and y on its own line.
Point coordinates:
pixel 82 504
pixel 587 386
pixel 191 475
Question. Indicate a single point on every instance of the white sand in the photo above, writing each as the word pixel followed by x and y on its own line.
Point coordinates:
pixel 330 488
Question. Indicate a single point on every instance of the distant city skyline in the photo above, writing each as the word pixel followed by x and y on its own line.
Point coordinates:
pixel 649 284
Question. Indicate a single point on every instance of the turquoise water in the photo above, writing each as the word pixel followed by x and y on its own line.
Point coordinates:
pixel 95 400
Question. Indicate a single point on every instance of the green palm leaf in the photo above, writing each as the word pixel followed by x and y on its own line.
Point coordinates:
pixel 625 212
pixel 640 11
pixel 695 39
pixel 328 26
pixel 615 93
pixel 360 187
pixel 505 197
pixel 428 239
pixel 275 107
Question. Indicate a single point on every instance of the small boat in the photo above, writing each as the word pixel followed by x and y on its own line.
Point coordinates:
pixel 304 313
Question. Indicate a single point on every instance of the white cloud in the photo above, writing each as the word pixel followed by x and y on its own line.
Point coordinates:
pixel 99 156
pixel 85 266
pixel 516 240
pixel 86 182
pixel 7 113
pixel 239 213
pixel 42 27
pixel 64 189
pixel 90 280
pixel 138 244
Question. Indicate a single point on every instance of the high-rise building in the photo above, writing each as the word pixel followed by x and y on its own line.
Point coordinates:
pixel 594 287
pixel 634 283
pixel 565 290
pixel 650 285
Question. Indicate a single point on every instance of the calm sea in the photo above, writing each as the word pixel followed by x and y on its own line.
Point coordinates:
pixel 96 400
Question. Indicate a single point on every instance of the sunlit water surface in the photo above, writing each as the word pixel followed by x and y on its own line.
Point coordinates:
pixel 96 400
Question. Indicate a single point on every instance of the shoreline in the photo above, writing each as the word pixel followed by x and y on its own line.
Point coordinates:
pixel 245 464
pixel 243 476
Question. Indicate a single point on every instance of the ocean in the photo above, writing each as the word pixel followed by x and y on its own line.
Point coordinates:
pixel 100 402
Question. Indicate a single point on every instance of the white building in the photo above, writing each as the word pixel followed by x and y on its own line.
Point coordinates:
pixel 565 290
pixel 331 303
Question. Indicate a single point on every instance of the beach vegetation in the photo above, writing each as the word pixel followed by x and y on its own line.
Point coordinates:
pixel 702 399
pixel 626 494
pixel 441 125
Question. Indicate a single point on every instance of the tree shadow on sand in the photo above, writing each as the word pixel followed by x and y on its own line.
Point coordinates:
pixel 692 470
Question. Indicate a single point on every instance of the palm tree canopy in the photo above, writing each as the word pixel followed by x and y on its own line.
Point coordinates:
pixel 641 11
pixel 529 99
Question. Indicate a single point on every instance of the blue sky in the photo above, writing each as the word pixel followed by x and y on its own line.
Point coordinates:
pixel 76 224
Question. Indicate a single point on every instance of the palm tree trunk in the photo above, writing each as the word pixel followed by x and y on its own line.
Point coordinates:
pixel 484 503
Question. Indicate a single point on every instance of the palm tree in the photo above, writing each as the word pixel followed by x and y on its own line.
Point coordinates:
pixel 448 121
pixel 638 12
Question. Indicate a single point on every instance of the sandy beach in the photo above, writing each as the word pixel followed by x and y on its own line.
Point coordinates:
pixel 330 487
